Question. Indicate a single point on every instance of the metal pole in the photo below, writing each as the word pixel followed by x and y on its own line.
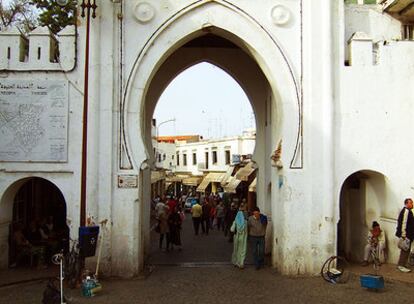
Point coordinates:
pixel 88 7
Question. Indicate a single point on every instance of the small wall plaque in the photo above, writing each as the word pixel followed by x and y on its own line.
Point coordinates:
pixel 127 181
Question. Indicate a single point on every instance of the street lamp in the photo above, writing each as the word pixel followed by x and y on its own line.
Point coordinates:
pixel 87 5
pixel 161 123
pixel 157 133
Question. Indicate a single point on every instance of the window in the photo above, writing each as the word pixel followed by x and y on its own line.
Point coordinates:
pixel 227 157
pixel 159 157
pixel 214 157
pixel 206 159
pixel 194 159
pixel 184 159
pixel 163 156
pixel 408 32
pixel 178 159
pixel 172 157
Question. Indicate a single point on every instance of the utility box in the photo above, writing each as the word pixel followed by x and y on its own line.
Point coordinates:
pixel 88 238
pixel 371 281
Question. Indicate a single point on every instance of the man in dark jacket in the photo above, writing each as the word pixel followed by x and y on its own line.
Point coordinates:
pixel 405 230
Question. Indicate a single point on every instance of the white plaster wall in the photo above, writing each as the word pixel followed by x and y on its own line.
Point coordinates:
pixel 65 176
pixel 376 105
pixel 298 200
pixel 371 20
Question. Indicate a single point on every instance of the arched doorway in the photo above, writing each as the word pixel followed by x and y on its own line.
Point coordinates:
pixel 363 199
pixel 33 201
pixel 229 57
pixel 206 158
pixel 232 43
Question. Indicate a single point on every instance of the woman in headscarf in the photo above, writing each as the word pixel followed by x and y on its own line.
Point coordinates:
pixel 239 228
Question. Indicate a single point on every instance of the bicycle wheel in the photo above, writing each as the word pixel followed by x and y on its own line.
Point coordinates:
pixel 334 270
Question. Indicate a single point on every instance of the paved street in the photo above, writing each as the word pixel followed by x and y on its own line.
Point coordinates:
pixel 201 273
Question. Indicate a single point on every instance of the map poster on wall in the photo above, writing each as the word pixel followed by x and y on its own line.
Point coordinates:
pixel 33 120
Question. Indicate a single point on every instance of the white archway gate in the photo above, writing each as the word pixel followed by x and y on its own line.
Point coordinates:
pixel 278 108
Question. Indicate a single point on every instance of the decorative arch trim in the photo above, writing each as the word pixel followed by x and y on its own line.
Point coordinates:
pixel 296 161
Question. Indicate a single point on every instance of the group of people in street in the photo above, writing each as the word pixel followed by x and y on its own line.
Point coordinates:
pixel 252 228
pixel 169 217
pixel 237 224
pixel 240 227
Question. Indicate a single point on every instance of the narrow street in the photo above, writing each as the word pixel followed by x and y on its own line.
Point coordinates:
pixel 201 249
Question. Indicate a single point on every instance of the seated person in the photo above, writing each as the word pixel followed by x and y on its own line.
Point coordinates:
pixel 25 247
pixel 48 237
pixel 376 241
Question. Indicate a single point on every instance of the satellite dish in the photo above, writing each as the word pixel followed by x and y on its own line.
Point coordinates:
pixel 62 2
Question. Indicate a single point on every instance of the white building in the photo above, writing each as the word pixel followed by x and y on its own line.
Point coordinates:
pixel 330 85
pixel 203 156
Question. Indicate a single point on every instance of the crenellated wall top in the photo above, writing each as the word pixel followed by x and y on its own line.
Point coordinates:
pixel 39 50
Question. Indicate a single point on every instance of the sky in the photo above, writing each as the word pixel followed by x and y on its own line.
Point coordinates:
pixel 204 100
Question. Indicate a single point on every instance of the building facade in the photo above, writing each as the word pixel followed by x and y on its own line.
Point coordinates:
pixel 329 84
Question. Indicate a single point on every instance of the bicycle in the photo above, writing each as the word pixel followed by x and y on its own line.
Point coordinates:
pixel 375 258
pixel 72 265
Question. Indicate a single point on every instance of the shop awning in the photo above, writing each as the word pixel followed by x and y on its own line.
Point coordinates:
pixel 157 176
pixel 216 177
pixel 227 176
pixel 174 178
pixel 231 184
pixel 204 184
pixel 244 172
pixel 192 181
pixel 252 187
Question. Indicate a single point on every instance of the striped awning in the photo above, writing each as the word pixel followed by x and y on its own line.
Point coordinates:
pixel 244 172
pixel 231 184
pixel 252 187
pixel 215 177
pixel 204 184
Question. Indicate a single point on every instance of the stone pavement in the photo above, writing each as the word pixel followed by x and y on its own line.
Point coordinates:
pixel 201 273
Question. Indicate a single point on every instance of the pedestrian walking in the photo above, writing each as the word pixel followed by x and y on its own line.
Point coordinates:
pixel 174 223
pixel 257 224
pixel 405 231
pixel 205 218
pixel 229 219
pixel 160 207
pixel 196 213
pixel 239 228
pixel 163 229
pixel 220 216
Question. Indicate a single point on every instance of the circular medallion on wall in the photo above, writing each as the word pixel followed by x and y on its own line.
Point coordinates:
pixel 281 15
pixel 144 12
